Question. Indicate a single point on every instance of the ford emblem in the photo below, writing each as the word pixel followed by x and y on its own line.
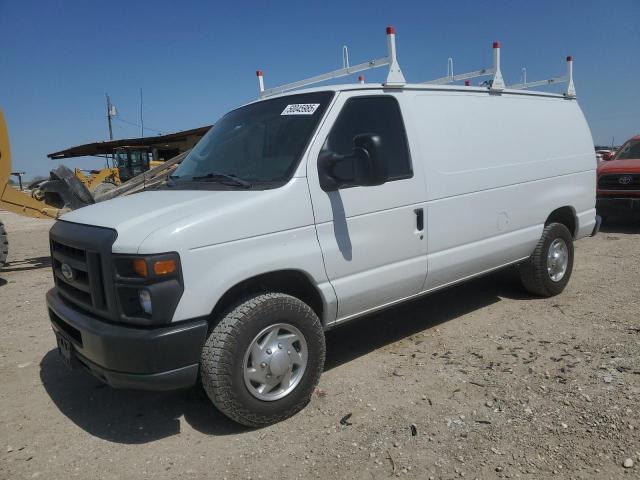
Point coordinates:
pixel 67 271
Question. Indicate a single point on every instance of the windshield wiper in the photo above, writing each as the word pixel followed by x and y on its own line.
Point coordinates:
pixel 223 178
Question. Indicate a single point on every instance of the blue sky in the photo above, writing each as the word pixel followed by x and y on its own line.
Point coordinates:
pixel 197 60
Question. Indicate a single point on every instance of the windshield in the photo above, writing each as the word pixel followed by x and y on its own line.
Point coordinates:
pixel 629 150
pixel 260 143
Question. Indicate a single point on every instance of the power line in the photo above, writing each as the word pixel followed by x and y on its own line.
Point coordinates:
pixel 134 124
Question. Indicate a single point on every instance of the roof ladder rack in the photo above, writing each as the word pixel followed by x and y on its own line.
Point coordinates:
pixel 571 89
pixel 395 78
pixel 497 83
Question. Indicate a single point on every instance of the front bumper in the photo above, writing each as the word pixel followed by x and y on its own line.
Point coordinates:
pixel 606 206
pixel 162 358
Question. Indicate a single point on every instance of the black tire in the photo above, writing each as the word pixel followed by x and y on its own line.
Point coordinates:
pixel 533 272
pixel 4 245
pixel 221 363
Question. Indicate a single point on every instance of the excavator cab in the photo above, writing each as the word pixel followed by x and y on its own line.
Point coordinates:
pixel 132 161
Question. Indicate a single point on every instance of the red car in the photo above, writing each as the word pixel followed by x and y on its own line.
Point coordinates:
pixel 619 181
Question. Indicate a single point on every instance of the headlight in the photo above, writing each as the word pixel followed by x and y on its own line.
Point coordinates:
pixel 148 287
pixel 145 301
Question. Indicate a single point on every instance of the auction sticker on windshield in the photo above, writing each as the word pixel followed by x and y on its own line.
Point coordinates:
pixel 300 109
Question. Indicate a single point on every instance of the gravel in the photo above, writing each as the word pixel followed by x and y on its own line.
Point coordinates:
pixel 482 371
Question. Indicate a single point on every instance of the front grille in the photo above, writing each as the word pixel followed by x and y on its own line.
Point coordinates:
pixel 619 181
pixel 83 283
pixel 65 327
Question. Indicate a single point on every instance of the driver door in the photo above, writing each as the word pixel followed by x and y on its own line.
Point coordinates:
pixel 372 238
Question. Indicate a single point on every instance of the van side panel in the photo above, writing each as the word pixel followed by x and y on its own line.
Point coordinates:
pixel 475 142
pixel 482 230
pixel 496 166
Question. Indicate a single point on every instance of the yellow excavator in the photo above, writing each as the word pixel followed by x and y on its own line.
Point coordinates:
pixel 96 181
pixel 92 179
pixel 128 162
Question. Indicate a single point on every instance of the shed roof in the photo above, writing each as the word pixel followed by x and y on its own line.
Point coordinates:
pixel 105 148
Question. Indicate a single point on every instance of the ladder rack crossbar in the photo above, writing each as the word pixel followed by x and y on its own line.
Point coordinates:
pixel 462 76
pixel 539 83
pixel 342 72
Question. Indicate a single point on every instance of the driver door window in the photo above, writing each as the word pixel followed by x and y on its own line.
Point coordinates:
pixel 381 116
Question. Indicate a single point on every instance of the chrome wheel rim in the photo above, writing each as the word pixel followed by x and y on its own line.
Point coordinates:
pixel 557 259
pixel 275 361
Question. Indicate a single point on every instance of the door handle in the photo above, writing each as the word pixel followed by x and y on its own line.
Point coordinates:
pixel 419 219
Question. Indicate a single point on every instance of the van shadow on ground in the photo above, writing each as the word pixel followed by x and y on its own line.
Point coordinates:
pixel 132 417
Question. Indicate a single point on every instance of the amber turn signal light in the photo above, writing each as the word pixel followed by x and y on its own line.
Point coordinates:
pixel 140 267
pixel 164 267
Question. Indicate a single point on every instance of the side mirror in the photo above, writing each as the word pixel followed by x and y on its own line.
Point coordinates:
pixel 362 167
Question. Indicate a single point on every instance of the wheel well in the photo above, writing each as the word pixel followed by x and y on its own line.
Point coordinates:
pixel 291 282
pixel 565 216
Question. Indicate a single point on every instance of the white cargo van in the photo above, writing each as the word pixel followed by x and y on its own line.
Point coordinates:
pixel 304 210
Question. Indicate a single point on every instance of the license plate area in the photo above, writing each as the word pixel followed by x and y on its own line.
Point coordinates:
pixel 65 349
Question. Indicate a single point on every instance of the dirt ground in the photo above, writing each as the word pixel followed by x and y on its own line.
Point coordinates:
pixel 478 381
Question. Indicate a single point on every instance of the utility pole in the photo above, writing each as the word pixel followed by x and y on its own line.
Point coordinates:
pixel 141 119
pixel 111 112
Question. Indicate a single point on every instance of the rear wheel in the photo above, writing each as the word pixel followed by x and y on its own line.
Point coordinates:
pixel 4 245
pixel 262 361
pixel 548 269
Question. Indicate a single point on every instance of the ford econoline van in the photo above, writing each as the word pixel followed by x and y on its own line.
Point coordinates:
pixel 301 211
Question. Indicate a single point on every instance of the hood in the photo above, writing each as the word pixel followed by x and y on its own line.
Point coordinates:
pixel 171 220
pixel 631 165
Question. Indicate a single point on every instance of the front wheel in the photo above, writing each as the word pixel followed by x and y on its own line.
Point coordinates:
pixel 547 271
pixel 262 361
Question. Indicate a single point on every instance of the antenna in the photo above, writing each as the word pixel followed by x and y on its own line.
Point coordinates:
pixel 141 118
pixel 394 78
